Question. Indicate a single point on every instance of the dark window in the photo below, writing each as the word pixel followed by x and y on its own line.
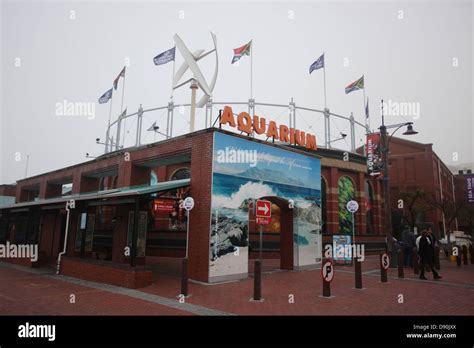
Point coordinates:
pixel 182 173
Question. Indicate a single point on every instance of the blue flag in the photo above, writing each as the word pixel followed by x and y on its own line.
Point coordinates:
pixel 165 57
pixel 104 98
pixel 318 64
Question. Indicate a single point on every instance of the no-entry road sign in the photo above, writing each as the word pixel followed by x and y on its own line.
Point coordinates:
pixel 327 271
pixel 263 209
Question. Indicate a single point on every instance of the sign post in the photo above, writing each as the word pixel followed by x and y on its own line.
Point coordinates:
pixel 352 206
pixel 263 213
pixel 188 204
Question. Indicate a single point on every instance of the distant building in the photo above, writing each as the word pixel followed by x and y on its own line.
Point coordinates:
pixel 465 221
pixel 7 194
pixel 415 166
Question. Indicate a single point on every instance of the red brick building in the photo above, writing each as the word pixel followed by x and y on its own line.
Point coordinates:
pixel 465 220
pixel 415 166
pixel 116 208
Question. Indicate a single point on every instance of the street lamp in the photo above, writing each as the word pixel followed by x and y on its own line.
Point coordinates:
pixel 385 142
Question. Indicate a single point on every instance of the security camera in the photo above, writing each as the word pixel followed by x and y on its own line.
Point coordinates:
pixel 97 140
pixel 343 135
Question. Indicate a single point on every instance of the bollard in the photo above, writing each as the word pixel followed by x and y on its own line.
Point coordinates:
pixel 401 273
pixel 257 282
pixel 326 289
pixel 415 262
pixel 458 256
pixel 383 271
pixel 436 258
pixel 464 254
pixel 358 273
pixel 184 277
pixel 472 255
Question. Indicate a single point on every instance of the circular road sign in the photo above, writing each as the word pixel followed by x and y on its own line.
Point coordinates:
pixel 352 206
pixel 385 260
pixel 327 271
pixel 188 203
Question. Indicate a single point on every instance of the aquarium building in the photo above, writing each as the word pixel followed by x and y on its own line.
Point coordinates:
pixel 127 209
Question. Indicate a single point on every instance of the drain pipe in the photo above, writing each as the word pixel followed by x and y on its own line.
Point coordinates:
pixel 71 204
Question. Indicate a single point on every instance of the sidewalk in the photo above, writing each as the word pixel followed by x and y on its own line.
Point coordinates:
pixel 26 293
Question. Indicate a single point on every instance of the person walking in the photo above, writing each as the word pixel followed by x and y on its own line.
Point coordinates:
pixel 426 253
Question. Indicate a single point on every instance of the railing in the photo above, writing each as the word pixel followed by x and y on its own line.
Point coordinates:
pixel 169 121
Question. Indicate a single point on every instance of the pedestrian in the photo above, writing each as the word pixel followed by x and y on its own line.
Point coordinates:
pixel 426 253
pixel 409 242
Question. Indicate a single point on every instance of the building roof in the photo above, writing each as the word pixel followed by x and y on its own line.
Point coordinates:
pixel 107 194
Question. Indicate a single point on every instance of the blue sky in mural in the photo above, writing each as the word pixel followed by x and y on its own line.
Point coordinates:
pixel 244 158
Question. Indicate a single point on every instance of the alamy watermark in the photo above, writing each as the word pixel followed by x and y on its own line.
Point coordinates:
pixel 20 251
pixel 232 155
pixel 67 108
pixel 345 251
pixel 394 108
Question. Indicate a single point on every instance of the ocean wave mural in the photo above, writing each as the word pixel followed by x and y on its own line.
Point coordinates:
pixel 244 171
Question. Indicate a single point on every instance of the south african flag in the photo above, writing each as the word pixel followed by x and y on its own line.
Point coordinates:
pixel 241 51
pixel 356 85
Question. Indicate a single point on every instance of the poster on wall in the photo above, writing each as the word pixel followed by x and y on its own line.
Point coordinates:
pixel 469 181
pixel 342 248
pixel 374 155
pixel 244 171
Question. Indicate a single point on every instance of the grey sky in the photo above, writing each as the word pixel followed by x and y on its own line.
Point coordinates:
pixel 407 59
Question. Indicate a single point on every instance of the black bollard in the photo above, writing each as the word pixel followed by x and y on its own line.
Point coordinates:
pixel 470 253
pixel 458 256
pixel 464 254
pixel 436 258
pixel 401 273
pixel 383 271
pixel 326 289
pixel 257 282
pixel 358 273
pixel 184 277
pixel 415 262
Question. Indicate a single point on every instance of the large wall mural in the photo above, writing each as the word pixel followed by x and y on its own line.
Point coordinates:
pixel 243 171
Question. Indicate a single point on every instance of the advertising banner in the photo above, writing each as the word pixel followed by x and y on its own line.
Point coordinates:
pixel 469 181
pixel 374 154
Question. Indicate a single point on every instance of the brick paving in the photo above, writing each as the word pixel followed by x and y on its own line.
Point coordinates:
pixel 24 293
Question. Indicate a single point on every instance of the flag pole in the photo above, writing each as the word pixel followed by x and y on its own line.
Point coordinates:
pixel 172 76
pixel 367 125
pixel 324 77
pixel 121 112
pixel 108 125
pixel 251 69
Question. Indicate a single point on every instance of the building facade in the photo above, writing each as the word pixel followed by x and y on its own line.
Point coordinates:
pixel 128 208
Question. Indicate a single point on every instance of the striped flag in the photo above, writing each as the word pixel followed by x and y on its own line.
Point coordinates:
pixel 318 64
pixel 356 85
pixel 104 98
pixel 241 51
pixel 122 74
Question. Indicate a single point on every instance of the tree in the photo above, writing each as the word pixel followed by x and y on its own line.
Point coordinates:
pixel 450 210
pixel 414 204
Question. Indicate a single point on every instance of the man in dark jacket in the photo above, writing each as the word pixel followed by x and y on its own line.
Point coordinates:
pixel 426 252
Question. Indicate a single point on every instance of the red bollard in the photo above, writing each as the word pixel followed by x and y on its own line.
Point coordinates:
pixel 401 273
pixel 383 267
pixel 464 254
pixel 415 262
pixel 257 282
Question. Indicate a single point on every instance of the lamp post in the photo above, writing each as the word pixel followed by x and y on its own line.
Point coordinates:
pixel 385 142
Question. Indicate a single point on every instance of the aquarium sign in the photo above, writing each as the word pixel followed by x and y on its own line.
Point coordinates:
pixel 246 123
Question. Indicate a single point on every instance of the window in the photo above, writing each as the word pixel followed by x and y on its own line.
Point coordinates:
pixel 181 173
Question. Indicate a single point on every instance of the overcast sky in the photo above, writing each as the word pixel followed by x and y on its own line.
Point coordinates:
pixel 410 52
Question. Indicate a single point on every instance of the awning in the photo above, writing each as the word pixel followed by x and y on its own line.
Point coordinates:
pixel 106 194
